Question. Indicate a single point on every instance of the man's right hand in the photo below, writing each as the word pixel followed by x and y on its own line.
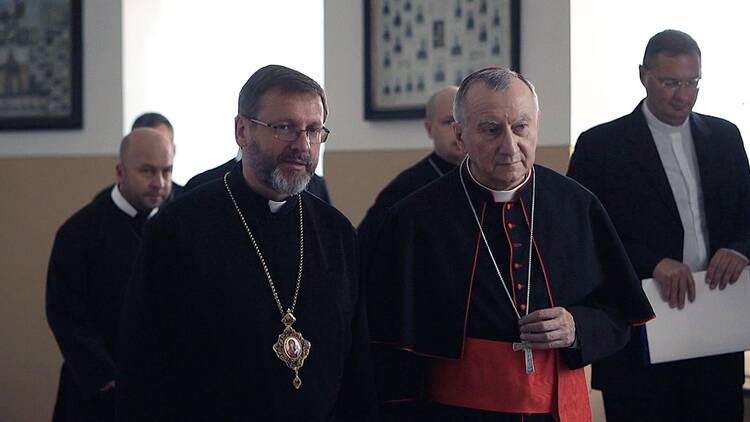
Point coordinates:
pixel 675 280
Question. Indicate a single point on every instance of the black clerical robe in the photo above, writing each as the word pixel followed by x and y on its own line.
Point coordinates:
pixel 89 268
pixel 200 320
pixel 426 170
pixel 316 186
pixel 438 312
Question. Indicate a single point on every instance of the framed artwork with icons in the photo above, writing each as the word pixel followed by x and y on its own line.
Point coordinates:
pixel 416 47
pixel 40 64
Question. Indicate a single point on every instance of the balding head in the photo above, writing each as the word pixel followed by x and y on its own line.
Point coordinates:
pixel 144 168
pixel 438 124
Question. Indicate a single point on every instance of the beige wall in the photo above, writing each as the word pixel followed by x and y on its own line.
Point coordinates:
pixel 38 195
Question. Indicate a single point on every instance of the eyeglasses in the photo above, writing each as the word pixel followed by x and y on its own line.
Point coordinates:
pixel 288 133
pixel 675 84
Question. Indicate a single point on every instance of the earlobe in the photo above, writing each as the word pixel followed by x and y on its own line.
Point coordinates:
pixel 119 172
pixel 239 132
pixel 642 74
pixel 428 128
pixel 457 131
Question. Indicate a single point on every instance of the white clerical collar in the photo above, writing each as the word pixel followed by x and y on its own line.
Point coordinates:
pixel 500 195
pixel 275 206
pixel 238 157
pixel 655 124
pixel 124 205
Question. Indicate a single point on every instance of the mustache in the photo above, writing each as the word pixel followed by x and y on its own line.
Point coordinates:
pixel 296 156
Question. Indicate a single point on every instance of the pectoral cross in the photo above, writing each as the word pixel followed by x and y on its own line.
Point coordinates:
pixel 528 357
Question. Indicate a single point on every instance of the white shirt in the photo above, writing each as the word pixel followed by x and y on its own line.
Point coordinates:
pixel 124 205
pixel 500 195
pixel 275 205
pixel 677 153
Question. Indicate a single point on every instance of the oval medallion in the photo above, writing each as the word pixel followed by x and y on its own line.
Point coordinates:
pixel 292 347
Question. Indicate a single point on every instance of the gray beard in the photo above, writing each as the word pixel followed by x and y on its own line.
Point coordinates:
pixel 290 185
pixel 273 177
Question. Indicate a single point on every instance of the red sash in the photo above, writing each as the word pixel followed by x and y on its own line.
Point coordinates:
pixel 491 376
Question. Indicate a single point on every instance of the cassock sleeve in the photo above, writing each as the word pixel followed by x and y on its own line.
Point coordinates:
pixel 83 349
pixel 145 386
pixel 587 167
pixel 604 317
pixel 357 397
pixel 399 373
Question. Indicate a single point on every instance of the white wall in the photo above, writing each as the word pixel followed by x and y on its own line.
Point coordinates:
pixel 188 61
pixel 545 48
pixel 609 39
pixel 102 94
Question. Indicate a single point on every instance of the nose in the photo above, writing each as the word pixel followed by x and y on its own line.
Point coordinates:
pixel 159 181
pixel 302 142
pixel 507 142
pixel 683 92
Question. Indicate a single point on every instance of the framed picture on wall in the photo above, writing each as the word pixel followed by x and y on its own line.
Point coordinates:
pixel 40 64
pixel 416 47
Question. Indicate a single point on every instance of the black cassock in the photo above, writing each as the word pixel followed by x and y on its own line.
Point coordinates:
pixel 199 320
pixel 432 288
pixel 426 170
pixel 89 268
pixel 317 185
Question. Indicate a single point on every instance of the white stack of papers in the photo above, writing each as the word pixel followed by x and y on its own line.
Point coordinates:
pixel 717 322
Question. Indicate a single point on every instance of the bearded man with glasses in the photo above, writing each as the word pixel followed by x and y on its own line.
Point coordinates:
pixel 245 302
pixel 677 186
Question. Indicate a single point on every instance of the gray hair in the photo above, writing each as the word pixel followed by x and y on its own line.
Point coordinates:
pixel 494 78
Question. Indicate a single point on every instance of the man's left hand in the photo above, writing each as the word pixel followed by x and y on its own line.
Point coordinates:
pixel 725 268
pixel 551 328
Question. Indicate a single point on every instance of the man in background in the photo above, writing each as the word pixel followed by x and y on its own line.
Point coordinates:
pixel 160 123
pixel 445 157
pixel 89 268
pixel 677 187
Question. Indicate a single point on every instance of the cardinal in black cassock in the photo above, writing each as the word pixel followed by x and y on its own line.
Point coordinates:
pixel 434 293
pixel 492 287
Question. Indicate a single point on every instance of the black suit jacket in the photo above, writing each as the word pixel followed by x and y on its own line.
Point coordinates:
pixel 618 161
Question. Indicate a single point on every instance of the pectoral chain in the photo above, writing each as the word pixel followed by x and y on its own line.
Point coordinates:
pixel 291 347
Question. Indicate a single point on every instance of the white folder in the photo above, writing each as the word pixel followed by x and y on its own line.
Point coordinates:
pixel 717 322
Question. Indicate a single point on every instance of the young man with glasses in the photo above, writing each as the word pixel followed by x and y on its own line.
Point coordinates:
pixel 677 187
pixel 246 302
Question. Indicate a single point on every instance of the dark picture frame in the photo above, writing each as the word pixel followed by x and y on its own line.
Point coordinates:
pixel 416 47
pixel 41 64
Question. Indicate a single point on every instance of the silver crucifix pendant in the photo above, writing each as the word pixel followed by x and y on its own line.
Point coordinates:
pixel 528 356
